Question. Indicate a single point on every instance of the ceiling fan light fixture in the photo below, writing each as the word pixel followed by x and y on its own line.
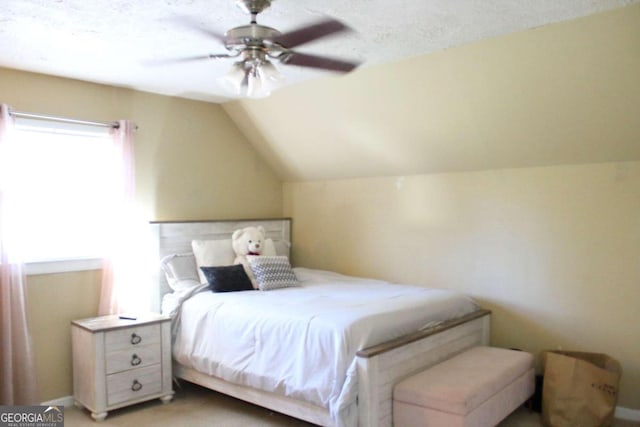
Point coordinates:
pixel 253 77
pixel 270 74
pixel 232 81
pixel 254 87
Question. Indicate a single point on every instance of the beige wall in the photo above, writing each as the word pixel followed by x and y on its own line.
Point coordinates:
pixel 191 163
pixel 553 251
pixel 54 300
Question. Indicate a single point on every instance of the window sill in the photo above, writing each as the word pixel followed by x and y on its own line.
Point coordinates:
pixel 62 266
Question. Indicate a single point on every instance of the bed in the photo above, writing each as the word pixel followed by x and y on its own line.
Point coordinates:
pixel 346 360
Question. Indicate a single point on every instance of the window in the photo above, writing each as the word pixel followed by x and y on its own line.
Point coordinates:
pixel 61 181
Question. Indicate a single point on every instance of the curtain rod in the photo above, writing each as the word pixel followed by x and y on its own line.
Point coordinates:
pixel 64 119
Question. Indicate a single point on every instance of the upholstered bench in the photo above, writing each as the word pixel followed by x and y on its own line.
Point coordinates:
pixel 477 388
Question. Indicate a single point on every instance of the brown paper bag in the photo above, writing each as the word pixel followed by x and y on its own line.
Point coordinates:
pixel 580 389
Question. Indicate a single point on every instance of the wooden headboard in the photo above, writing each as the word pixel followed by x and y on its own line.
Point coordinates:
pixel 174 237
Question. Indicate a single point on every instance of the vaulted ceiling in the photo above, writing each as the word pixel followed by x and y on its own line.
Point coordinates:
pixel 566 93
pixel 445 86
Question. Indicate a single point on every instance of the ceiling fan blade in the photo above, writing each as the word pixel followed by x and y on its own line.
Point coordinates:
pixel 322 62
pixel 312 32
pixel 192 24
pixel 170 61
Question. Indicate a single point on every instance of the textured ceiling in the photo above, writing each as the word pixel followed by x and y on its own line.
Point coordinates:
pixel 112 41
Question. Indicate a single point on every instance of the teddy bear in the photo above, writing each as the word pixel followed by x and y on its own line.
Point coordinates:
pixel 248 241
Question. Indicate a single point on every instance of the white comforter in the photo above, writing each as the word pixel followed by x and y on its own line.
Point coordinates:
pixel 301 342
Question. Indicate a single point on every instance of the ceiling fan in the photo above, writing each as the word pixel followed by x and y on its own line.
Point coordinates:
pixel 256 46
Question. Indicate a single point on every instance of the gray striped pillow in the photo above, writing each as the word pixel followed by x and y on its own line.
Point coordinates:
pixel 272 272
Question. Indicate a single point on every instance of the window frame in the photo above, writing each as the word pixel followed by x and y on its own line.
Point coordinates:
pixel 46 125
pixel 35 268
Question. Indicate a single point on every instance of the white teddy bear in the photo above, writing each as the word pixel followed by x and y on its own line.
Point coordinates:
pixel 248 241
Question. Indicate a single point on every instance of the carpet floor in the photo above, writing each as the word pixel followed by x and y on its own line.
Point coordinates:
pixel 195 406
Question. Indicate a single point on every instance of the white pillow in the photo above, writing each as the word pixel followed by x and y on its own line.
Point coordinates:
pixel 281 247
pixel 180 270
pixel 272 272
pixel 212 253
pixel 269 248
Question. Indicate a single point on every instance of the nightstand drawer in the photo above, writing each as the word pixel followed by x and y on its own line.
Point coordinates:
pixel 133 384
pixel 133 358
pixel 133 337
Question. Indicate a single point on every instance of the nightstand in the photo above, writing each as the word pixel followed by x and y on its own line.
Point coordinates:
pixel 119 362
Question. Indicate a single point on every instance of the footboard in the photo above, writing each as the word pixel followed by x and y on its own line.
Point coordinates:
pixel 381 367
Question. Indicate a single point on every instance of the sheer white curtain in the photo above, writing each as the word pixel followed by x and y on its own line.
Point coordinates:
pixel 17 366
pixel 125 284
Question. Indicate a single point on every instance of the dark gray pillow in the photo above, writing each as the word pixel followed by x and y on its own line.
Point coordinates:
pixel 272 272
pixel 228 278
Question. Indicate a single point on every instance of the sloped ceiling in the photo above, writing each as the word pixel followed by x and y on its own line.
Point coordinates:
pixel 428 98
pixel 561 94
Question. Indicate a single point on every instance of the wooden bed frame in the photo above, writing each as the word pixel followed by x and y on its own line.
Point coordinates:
pixel 379 367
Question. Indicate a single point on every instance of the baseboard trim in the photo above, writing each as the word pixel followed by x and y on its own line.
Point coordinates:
pixel 627 414
pixel 621 412
pixel 61 401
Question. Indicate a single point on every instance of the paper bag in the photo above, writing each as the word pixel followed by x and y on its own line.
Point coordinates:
pixel 580 389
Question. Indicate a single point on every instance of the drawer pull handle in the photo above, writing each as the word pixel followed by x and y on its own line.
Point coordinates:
pixel 135 338
pixel 136 386
pixel 135 360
